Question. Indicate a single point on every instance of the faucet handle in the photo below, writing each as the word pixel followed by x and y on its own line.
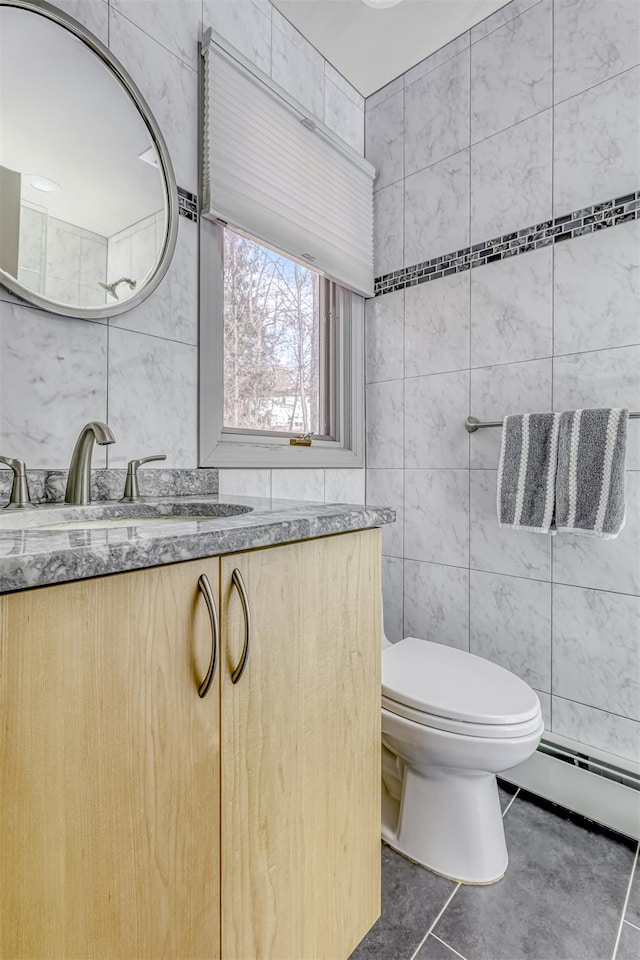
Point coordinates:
pixel 20 488
pixel 131 488
pixel 132 466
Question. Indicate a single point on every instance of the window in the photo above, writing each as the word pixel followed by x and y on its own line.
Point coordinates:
pixel 281 356
pixel 277 342
pixel 286 205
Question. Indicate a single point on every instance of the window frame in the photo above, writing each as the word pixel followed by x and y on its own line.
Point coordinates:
pixel 219 448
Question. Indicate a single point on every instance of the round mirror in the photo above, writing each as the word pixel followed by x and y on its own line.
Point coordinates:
pixel 88 199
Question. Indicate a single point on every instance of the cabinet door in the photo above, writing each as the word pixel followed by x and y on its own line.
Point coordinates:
pixel 109 769
pixel 300 747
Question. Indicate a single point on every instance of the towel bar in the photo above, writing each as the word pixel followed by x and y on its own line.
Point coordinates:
pixel 472 423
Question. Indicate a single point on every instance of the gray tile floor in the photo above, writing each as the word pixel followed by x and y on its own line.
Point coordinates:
pixel 572 892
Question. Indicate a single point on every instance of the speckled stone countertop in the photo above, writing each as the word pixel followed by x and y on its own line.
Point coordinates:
pixel 31 556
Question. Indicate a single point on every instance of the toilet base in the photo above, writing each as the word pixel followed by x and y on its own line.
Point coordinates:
pixel 451 824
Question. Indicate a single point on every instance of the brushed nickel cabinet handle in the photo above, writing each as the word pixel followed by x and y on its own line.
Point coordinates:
pixel 238 582
pixel 205 589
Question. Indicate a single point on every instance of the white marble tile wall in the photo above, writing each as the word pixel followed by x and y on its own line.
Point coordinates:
pixel 531 114
pixel 437 114
pixel 326 486
pixel 436 209
pixel 521 50
pixel 602 127
pixel 139 370
pixel 53 380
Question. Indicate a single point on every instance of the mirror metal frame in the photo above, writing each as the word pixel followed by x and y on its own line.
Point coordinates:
pixel 44 9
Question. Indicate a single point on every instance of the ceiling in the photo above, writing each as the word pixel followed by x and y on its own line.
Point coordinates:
pixel 371 46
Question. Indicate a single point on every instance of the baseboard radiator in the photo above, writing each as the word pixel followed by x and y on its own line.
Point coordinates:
pixel 587 781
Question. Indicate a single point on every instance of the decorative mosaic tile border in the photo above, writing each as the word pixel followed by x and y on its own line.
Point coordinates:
pixel 188 204
pixel 609 213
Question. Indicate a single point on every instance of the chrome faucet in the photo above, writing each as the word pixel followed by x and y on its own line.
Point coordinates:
pixel 79 480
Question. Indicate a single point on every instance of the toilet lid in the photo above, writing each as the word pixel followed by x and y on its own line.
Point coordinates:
pixel 447 682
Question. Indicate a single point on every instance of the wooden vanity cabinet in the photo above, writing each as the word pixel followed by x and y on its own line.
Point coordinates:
pixel 139 821
pixel 109 769
pixel 300 742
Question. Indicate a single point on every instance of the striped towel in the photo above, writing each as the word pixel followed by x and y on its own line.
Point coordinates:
pixel 527 471
pixel 591 472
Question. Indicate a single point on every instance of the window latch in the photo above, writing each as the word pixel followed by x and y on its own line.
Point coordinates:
pixel 304 440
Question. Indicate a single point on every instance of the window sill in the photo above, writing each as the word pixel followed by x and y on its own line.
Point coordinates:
pixel 260 454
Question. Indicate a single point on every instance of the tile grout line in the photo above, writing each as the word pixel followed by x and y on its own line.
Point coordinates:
pixel 508 806
pixel 434 163
pixel 270 19
pixel 485 366
pixel 150 36
pixel 475 143
pixel 404 358
pixel 141 333
pixel 469 407
pixel 448 901
pixel 107 457
pixel 553 331
pixel 558 583
pixel 433 925
pixel 609 713
pixel 593 86
pixel 447 945
pixel 626 903
pixel 498 573
pixel 12 300
pixel 534 3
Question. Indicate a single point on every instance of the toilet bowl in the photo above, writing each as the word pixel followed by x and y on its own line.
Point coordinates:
pixel 451 721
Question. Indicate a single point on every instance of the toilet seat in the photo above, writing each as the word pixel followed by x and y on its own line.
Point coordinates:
pixel 504 731
pixel 449 689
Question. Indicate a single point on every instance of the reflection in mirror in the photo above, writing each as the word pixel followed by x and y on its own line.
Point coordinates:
pixel 83 202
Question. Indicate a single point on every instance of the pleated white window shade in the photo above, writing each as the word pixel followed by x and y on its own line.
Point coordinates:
pixel 276 175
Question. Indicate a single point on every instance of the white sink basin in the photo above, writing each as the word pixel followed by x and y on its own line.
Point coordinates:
pixel 111 516
pixel 111 523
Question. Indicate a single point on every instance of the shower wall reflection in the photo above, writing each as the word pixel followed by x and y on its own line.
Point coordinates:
pixel 68 263
pixel 60 260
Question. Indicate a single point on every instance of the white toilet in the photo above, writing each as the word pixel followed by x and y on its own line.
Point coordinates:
pixel 450 722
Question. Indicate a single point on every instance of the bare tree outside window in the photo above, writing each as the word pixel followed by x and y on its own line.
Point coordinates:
pixel 271 340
